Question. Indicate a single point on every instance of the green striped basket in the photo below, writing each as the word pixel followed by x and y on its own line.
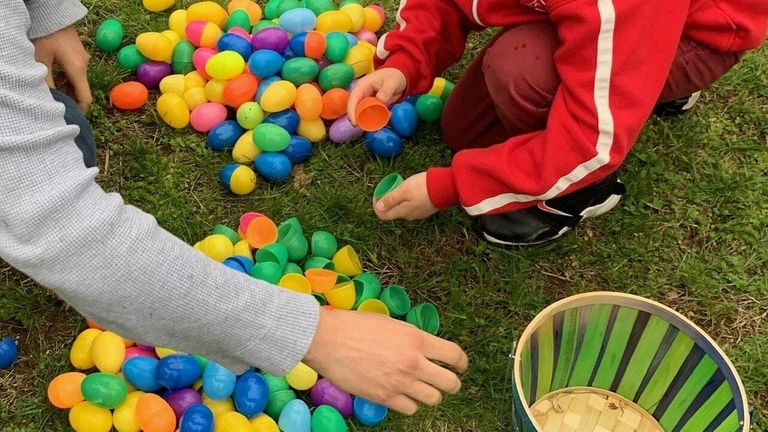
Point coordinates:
pixel 616 362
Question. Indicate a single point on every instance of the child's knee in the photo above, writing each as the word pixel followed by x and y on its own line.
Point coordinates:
pixel 73 115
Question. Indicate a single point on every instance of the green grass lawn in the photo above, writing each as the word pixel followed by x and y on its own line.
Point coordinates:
pixel 690 233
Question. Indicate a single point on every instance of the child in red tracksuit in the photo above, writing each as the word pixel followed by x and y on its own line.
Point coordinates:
pixel 551 106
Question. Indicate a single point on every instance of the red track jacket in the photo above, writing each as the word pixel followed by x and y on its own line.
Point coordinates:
pixel 614 58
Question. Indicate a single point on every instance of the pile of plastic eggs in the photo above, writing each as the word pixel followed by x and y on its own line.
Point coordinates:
pixel 131 387
pixel 265 85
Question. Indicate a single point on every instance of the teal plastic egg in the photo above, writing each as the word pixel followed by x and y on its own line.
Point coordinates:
pixel 295 417
pixel 141 372
pixel 327 419
pixel 337 47
pixel 109 35
pixel 337 75
pixel 218 381
pixel 129 58
pixel 300 70
pixel 104 390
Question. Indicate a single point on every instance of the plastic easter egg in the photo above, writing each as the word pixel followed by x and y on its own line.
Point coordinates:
pixel 298 20
pixel 177 22
pixel 129 95
pixel 197 418
pixel 373 20
pixel 369 413
pixel 80 354
pixel 178 371
pixel 207 11
pixel 239 18
pixel 173 110
pixel 139 351
pixel 342 296
pixel 181 399
pixel 265 63
pixel 124 417
pixel 217 247
pixel 218 381
pixel 300 70
pixel 208 115
pixel 164 352
pixel 173 37
pixel 195 97
pixel 347 261
pixel 263 423
pixel 351 38
pixel 154 46
pixel 218 407
pixel 334 103
pixel 309 102
pixel 337 75
pixel 251 8
pixel 366 35
pixel 200 59
pixel 326 393
pixel 295 417
pixel 292 268
pixel 273 166
pixel 104 390
pixel 250 115
pixel 384 143
pixel 261 25
pixel 327 419
pixel 238 44
pixel 194 79
pixel 320 6
pixel 181 60
pixel 225 65
pixel 275 383
pixel 240 90
pixel 313 130
pixel 214 90
pixel 271 138
pixel 342 131
pixel 202 33
pixel 404 119
pixel 154 414
pixel 287 119
pixel 337 46
pixel 277 401
pixel 239 179
pixel 298 150
pixel 141 373
pixel 243 249
pixel 158 5
pixel 284 6
pixel 264 85
pixel 301 377
pixel 226 231
pixel 245 150
pixel 245 34
pixel 441 88
pixel 356 14
pixel 130 58
pixel 232 422
pixel 310 44
pixel 224 135
pixel 261 231
pixel 108 352
pixel 331 21
pixel 152 72
pixel 87 417
pixel 429 108
pixel 109 35
pixel 279 96
pixel 251 394
pixel 239 263
pixel 267 271
pixel 271 38
pixel 360 59
pixel 65 390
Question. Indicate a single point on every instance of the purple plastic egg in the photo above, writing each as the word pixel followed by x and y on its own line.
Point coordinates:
pixel 271 38
pixel 343 131
pixel 181 399
pixel 152 72
pixel 323 62
pixel 325 392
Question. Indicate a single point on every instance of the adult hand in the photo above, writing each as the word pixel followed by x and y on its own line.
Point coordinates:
pixel 64 50
pixel 386 84
pixel 385 360
pixel 409 201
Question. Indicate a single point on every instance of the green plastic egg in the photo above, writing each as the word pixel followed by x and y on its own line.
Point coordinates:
pixel 429 108
pixel 300 70
pixel 327 419
pixel 202 361
pixel 130 58
pixel 277 401
pixel 320 6
pixel 182 58
pixel 109 35
pixel 337 47
pixel 346 2
pixel 292 268
pixel 337 75
pixel 250 115
pixel 286 5
pixel 275 383
pixel 263 24
pixel 267 271
pixel 238 18
pixel 104 390
pixel 270 10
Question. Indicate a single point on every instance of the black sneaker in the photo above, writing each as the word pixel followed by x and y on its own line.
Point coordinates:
pixel 676 107
pixel 552 218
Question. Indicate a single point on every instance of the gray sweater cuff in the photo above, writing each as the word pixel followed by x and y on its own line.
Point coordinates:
pixel 49 16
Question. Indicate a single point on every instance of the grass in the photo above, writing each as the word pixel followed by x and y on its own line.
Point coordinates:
pixel 691 233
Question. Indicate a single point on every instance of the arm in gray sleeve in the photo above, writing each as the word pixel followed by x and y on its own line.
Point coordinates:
pixel 111 261
pixel 49 16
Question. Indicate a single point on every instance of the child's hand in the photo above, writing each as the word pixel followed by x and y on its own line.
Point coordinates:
pixel 409 201
pixel 65 50
pixel 386 84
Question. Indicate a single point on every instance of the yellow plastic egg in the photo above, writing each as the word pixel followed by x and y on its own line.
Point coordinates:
pixel 174 38
pixel 356 15
pixel 218 247
pixel 333 20
pixel 108 352
pixel 214 90
pixel 373 21
pixel 154 46
pixel 164 352
pixel 225 65
pixel 124 416
pixel 178 23
pixel 158 5
pixel 175 83
pixel 263 423
pixel 279 96
pixel 301 377
pixel 232 422
pixel 194 79
pixel 218 407
pixel 80 354
pixel 207 11
pixel 86 417
pixel 358 57
pixel 195 97
pixel 243 249
pixel 173 110
pixel 242 181
pixel 313 130
pixel 245 152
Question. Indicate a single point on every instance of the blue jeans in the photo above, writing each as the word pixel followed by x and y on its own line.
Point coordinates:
pixel 73 115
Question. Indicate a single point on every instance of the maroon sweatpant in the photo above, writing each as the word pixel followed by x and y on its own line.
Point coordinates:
pixel 511 84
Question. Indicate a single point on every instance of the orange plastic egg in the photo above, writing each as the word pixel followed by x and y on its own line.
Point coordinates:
pixel 203 33
pixel 154 414
pixel 334 103
pixel 240 90
pixel 208 11
pixel 309 102
pixel 64 391
pixel 129 95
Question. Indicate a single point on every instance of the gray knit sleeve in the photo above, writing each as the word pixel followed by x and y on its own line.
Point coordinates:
pixel 111 261
pixel 49 16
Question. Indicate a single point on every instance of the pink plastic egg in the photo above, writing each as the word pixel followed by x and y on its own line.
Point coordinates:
pixel 367 36
pixel 240 32
pixel 203 34
pixel 208 115
pixel 200 59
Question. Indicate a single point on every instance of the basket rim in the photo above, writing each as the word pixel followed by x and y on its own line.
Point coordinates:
pixel 641 303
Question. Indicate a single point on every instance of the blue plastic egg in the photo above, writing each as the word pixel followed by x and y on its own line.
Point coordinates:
pixel 8 352
pixel 265 85
pixel 239 263
pixel 251 394
pixel 197 418
pixel 224 135
pixel 236 43
pixel 298 20
pixel 218 381
pixel 351 38
pixel 141 372
pixel 384 143
pixel 412 99
pixel 273 166
pixel 369 413
pixel 295 417
pixel 178 371
pixel 265 63
pixel 287 119
pixel 404 119
pixel 298 150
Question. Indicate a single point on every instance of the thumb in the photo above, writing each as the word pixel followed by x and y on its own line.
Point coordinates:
pixel 390 200
pixel 386 93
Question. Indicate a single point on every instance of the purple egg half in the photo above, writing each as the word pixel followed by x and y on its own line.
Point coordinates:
pixel 181 399
pixel 152 72
pixel 342 131
pixel 271 38
pixel 325 392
